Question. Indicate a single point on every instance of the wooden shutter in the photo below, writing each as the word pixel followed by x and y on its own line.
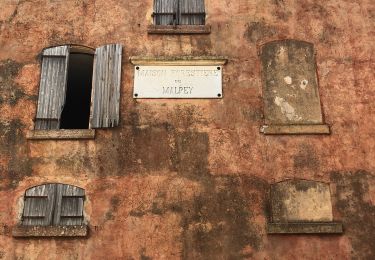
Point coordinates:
pixel 38 205
pixel 105 99
pixel 165 12
pixel 191 12
pixel 69 205
pixel 52 87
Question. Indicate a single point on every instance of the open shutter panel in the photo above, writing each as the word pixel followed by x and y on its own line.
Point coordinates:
pixel 105 98
pixel 192 12
pixel 52 87
pixel 38 205
pixel 69 205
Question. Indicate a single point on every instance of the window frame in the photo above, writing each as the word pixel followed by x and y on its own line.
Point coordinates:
pixel 178 27
pixel 102 115
pixel 49 218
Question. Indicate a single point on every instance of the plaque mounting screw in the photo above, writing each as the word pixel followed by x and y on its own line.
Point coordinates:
pixel 136 95
pixel 137 68
pixel 218 68
pixel 219 95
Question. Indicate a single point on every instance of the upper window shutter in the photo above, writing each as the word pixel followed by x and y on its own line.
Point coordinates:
pixel 69 205
pixel 52 87
pixel 191 12
pixel 165 12
pixel 38 205
pixel 105 98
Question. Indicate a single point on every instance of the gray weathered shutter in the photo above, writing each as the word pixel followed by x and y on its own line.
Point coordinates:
pixel 165 11
pixel 191 12
pixel 105 98
pixel 69 205
pixel 38 205
pixel 52 87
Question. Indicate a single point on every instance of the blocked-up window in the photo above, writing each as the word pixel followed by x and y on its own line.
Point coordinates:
pixel 53 205
pixel 301 207
pixel 79 87
pixel 179 12
pixel 290 89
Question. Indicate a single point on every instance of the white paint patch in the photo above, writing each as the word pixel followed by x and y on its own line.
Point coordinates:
pixel 288 80
pixel 304 84
pixel 282 54
pixel 287 109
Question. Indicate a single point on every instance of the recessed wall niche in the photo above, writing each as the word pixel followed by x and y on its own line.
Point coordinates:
pixel 301 207
pixel 290 89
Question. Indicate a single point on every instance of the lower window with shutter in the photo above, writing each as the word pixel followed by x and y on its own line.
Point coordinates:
pixel 52 210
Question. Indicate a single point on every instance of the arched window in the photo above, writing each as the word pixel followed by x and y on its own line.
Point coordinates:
pixel 79 90
pixel 53 205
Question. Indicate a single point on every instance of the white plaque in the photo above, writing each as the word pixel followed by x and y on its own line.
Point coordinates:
pixel 177 82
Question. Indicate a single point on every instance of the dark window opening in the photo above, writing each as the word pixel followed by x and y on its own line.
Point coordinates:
pixel 76 111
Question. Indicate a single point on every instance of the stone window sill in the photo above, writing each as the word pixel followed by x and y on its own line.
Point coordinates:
pixel 179 29
pixel 50 231
pixel 305 228
pixel 62 134
pixel 294 129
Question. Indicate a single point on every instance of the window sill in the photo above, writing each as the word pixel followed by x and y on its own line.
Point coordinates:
pixel 63 134
pixel 305 228
pixel 179 29
pixel 294 129
pixel 50 231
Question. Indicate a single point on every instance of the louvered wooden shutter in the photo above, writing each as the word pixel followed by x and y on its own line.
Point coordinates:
pixel 69 205
pixel 38 205
pixel 52 87
pixel 191 12
pixel 165 12
pixel 105 98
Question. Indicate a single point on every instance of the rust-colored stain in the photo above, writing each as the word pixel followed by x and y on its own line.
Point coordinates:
pixel 190 179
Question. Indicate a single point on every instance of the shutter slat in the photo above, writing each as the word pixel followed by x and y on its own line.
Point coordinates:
pixel 192 12
pixel 105 105
pixel 52 87
pixel 69 205
pixel 163 11
pixel 38 205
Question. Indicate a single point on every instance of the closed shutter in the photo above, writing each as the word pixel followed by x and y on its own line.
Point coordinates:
pixel 69 205
pixel 165 12
pixel 53 204
pixel 52 87
pixel 192 12
pixel 38 205
pixel 105 99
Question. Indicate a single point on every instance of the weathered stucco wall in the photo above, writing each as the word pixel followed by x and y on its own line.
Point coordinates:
pixel 189 178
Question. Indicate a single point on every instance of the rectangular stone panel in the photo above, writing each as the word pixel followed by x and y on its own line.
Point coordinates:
pixel 301 201
pixel 290 85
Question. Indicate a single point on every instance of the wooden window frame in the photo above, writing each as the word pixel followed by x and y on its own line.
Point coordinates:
pixel 52 221
pixel 178 27
pixel 109 88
